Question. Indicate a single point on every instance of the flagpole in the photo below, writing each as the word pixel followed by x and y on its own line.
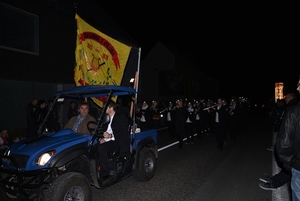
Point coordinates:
pixel 75 7
pixel 135 99
pixel 138 70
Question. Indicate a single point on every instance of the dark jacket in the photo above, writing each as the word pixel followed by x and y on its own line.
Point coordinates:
pixel 180 115
pixel 222 113
pixel 119 125
pixel 290 104
pixel 72 112
pixel 169 110
pixel 190 113
pixel 40 115
pixel 288 139
pixel 30 113
pixel 82 128
pixel 144 111
pixel 286 107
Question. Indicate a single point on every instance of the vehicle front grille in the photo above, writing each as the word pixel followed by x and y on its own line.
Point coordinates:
pixel 20 159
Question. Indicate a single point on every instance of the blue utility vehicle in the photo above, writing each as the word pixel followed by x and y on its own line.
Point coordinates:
pixel 62 165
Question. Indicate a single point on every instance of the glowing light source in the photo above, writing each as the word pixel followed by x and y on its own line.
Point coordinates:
pixel 278 90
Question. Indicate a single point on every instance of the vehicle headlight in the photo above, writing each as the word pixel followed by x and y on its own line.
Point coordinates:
pixel 44 158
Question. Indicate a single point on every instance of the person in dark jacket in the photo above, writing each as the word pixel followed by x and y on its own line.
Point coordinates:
pixel 40 113
pixel 189 124
pixel 179 120
pixel 169 119
pixel 197 122
pixel 284 176
pixel 116 137
pixel 72 111
pixel 234 119
pixel 31 117
pixel 53 124
pixel 155 115
pixel 219 113
pixel 287 145
pixel 144 116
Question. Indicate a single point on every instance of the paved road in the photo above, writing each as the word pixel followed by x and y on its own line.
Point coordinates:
pixel 237 177
pixel 203 172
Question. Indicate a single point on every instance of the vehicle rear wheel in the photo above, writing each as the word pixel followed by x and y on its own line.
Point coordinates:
pixel 147 165
pixel 69 186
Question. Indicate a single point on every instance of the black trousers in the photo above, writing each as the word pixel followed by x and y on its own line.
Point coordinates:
pixel 103 152
pixel 199 128
pixel 171 128
pixel 233 129
pixel 189 130
pixel 180 131
pixel 283 176
pixel 220 134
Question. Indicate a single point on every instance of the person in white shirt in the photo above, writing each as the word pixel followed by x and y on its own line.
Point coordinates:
pixel 115 138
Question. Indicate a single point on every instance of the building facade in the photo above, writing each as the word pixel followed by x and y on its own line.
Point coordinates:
pixel 37 48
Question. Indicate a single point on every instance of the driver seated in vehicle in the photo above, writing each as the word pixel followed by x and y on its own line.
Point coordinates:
pixel 79 123
pixel 116 137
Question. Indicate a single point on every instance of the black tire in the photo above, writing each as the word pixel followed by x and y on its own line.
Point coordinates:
pixel 147 165
pixel 69 186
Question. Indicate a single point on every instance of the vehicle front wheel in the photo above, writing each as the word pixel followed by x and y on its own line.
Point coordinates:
pixel 69 186
pixel 147 165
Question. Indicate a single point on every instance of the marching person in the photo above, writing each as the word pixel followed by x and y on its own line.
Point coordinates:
pixel 155 115
pixel 234 119
pixel 169 118
pixel 219 113
pixel 179 120
pixel 199 123
pixel 189 126
pixel 144 116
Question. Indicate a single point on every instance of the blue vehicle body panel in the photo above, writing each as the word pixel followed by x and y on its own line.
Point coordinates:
pixel 57 142
pixel 89 91
pixel 142 135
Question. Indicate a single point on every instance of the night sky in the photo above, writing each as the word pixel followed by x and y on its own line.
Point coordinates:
pixel 246 47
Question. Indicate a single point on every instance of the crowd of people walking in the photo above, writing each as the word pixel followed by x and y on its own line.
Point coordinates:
pixel 186 118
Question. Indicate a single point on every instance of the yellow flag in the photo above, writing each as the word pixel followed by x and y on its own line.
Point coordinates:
pixel 100 59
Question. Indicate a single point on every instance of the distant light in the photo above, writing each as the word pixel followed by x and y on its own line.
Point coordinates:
pixel 131 82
